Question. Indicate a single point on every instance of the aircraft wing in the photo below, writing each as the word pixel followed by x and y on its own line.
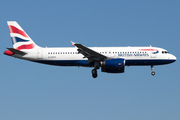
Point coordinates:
pixel 89 53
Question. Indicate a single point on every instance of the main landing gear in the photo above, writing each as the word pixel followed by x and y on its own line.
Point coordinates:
pixel 94 71
pixel 152 69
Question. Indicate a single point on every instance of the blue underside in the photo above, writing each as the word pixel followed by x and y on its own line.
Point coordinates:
pixel 86 64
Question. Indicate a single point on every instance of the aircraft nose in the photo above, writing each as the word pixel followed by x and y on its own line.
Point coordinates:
pixel 173 58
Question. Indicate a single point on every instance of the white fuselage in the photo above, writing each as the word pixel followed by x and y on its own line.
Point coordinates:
pixel 132 55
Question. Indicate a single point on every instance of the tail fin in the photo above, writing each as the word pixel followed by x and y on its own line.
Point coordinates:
pixel 19 37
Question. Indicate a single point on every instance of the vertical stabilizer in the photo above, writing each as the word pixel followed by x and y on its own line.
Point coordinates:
pixel 19 37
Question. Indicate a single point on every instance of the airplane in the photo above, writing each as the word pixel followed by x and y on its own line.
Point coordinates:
pixel 109 59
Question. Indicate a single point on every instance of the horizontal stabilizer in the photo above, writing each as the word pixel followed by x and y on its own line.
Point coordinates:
pixel 16 51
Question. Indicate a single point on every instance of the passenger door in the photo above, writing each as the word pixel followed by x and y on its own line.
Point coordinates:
pixel 40 54
pixel 153 55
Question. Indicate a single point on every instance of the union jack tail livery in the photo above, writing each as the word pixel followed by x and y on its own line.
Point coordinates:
pixel 109 59
pixel 19 37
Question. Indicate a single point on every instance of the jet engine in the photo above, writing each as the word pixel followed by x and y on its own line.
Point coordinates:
pixel 113 65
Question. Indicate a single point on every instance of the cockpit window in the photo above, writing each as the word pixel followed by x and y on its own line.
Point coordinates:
pixel 165 52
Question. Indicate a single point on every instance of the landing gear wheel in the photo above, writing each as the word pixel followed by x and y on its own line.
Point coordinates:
pixel 152 69
pixel 94 73
pixel 152 73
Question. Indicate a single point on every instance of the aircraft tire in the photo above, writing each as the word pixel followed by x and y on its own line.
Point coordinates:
pixel 94 73
pixel 152 73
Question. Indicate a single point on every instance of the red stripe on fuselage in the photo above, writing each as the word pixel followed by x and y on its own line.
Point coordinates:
pixel 13 29
pixel 29 46
pixel 148 49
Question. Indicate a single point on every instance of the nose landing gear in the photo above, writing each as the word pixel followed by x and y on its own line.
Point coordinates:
pixel 152 69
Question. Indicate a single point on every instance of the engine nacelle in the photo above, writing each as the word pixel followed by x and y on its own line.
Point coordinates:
pixel 113 65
